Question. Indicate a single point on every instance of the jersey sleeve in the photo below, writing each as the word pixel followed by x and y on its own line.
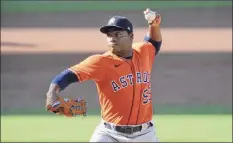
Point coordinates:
pixel 89 69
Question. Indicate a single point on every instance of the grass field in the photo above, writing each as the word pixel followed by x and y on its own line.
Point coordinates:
pixel 69 6
pixel 177 128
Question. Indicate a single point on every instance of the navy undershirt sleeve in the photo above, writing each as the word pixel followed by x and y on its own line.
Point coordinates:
pixel 64 79
pixel 156 44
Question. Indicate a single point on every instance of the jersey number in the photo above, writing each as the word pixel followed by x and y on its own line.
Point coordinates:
pixel 146 95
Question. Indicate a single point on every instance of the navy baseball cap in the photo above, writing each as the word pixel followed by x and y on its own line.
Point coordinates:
pixel 117 23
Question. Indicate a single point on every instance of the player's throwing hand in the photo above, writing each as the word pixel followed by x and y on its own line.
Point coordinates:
pixel 152 17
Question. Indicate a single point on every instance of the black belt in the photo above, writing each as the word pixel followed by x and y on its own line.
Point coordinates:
pixel 127 129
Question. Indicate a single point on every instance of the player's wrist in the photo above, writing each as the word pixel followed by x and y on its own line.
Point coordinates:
pixel 154 25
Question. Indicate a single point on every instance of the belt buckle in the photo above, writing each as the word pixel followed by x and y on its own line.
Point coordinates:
pixel 128 130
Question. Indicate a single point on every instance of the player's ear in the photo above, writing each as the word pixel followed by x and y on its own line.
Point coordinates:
pixel 131 35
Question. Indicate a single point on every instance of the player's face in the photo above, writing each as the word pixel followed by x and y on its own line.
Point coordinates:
pixel 120 40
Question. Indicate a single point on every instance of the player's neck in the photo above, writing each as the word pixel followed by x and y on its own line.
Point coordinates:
pixel 123 54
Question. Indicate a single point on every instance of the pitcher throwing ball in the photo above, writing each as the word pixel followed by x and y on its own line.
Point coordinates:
pixel 122 76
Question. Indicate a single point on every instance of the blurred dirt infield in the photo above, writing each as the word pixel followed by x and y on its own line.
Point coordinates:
pixel 194 67
pixel 23 40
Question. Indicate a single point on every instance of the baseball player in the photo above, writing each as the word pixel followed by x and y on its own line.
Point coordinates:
pixel 122 76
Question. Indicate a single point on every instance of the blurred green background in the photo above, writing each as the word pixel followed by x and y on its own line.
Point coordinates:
pixel 65 6
pixel 193 106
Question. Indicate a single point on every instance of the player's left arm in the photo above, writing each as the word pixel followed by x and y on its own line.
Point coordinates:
pixel 85 70
pixel 154 35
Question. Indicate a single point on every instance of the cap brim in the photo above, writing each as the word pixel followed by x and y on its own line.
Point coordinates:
pixel 105 29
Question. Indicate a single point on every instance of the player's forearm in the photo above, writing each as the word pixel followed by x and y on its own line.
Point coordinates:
pixel 59 83
pixel 154 33
pixel 52 93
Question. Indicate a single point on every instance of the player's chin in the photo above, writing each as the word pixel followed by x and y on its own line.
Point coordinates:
pixel 115 47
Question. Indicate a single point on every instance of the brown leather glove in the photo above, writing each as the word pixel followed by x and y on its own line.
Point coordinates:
pixel 68 107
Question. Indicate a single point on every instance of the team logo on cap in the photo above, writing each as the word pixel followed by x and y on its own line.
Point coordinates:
pixel 112 21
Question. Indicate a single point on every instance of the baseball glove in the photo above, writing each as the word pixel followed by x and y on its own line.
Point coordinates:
pixel 68 107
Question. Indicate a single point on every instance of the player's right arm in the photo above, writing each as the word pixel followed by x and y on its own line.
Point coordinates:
pixel 154 36
pixel 153 39
pixel 90 68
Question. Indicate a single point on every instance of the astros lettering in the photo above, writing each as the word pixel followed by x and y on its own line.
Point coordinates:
pixel 127 80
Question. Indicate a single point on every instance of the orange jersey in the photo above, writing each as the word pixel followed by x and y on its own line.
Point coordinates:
pixel 123 85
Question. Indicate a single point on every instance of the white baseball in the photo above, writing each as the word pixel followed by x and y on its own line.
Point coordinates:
pixel 150 16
